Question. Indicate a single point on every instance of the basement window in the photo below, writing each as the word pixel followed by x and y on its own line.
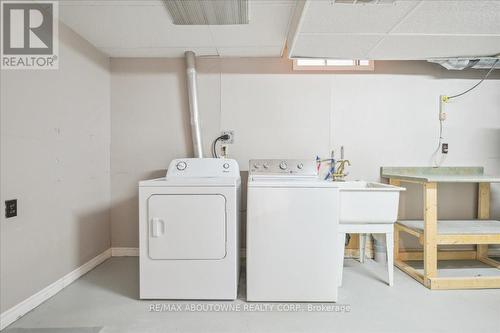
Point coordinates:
pixel 315 64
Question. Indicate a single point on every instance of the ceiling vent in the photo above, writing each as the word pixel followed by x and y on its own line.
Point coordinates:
pixel 464 63
pixel 208 12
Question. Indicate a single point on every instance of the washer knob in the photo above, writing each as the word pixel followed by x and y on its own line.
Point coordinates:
pixel 283 165
pixel 300 166
pixel 256 166
pixel 225 165
pixel 266 166
pixel 181 166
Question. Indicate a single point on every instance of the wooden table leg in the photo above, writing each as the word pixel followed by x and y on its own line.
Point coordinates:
pixel 396 242
pixel 483 213
pixel 430 232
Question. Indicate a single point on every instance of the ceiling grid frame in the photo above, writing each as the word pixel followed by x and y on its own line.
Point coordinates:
pixel 394 27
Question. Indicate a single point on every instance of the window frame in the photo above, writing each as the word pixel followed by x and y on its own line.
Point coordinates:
pixel 326 68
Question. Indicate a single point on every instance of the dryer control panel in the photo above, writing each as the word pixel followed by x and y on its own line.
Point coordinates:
pixel 284 167
pixel 203 168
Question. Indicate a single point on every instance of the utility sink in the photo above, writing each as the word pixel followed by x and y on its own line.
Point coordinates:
pixel 368 202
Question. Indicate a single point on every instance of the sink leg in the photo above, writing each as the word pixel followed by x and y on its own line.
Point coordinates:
pixel 362 247
pixel 340 257
pixel 389 240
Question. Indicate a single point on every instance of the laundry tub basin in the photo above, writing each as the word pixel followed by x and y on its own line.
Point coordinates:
pixel 368 202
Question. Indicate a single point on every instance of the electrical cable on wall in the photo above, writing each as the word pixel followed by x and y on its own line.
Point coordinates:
pixel 214 144
pixel 442 117
pixel 477 84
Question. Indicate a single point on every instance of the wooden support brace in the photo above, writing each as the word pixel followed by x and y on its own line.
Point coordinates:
pixel 409 270
pixel 470 239
pixel 491 262
pixel 482 282
pixel 430 232
pixel 442 255
pixel 410 231
pixel 483 213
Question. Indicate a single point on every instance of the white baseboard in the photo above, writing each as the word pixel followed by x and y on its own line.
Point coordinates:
pixel 124 251
pixel 19 310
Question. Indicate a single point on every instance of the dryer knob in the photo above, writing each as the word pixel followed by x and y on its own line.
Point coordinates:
pixel 225 165
pixel 283 165
pixel 181 166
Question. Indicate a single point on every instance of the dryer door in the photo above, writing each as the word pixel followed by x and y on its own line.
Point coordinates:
pixel 187 226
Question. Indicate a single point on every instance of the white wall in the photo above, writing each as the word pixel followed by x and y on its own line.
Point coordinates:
pixel 55 148
pixel 384 118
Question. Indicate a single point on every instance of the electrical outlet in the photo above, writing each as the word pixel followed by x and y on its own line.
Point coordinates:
pixel 10 208
pixel 231 137
pixel 444 148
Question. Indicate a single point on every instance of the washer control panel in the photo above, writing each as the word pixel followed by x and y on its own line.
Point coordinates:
pixel 283 167
pixel 203 167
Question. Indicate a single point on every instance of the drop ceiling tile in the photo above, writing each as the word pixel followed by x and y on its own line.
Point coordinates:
pixel 424 47
pixel 156 52
pixel 268 26
pixel 453 17
pixel 326 16
pixel 144 28
pixel 248 51
pixel 119 25
pixel 334 46
pixel 111 2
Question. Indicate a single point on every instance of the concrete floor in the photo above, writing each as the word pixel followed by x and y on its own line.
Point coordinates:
pixel 106 300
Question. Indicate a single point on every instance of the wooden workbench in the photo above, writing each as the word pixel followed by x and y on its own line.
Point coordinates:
pixel 432 232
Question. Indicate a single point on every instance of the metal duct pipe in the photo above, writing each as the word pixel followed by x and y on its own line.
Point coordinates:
pixel 193 103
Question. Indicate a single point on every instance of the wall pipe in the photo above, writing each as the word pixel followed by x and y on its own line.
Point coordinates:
pixel 193 103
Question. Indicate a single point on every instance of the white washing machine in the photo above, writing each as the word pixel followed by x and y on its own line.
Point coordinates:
pixel 189 230
pixel 292 228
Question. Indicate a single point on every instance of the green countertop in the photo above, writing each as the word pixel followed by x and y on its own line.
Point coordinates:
pixel 439 175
